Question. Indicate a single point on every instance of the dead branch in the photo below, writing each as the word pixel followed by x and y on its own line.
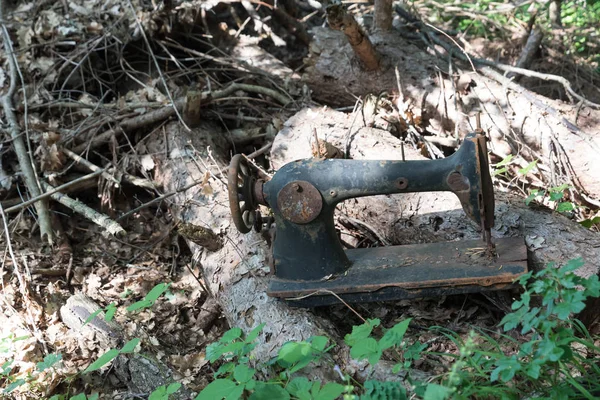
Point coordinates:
pixel 528 54
pixel 25 162
pixel 57 189
pixel 168 111
pixel 77 158
pixel 96 217
pixel 338 19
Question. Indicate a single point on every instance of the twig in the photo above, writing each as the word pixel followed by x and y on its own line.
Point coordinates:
pixel 260 151
pixel 90 166
pixel 25 161
pixel 22 284
pixel 156 200
pixel 155 61
pixel 54 190
pixel 96 217
pixel 168 111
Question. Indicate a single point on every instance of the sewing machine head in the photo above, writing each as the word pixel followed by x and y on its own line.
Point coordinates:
pixel 311 267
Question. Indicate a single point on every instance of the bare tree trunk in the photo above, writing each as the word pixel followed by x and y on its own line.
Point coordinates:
pixel 554 13
pixel 383 15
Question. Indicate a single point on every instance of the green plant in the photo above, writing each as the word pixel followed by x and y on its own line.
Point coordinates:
pixel 556 359
pixel 554 195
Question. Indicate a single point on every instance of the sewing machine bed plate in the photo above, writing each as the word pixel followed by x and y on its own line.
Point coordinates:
pixel 410 271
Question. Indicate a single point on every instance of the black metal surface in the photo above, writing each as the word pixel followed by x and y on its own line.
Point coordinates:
pixel 312 251
pixel 409 271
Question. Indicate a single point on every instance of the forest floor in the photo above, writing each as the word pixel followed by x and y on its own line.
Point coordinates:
pixel 84 68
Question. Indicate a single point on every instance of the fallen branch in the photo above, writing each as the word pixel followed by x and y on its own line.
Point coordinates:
pixel 25 161
pixel 94 168
pixel 57 189
pixel 168 111
pixel 96 217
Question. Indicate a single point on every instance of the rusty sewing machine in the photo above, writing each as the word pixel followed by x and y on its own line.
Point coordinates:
pixel 312 268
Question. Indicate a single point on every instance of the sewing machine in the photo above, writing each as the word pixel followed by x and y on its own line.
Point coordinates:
pixel 310 265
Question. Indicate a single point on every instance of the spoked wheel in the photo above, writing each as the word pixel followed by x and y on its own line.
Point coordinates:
pixel 242 201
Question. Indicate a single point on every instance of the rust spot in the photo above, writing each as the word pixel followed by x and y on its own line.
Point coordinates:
pixel 300 202
pixel 401 183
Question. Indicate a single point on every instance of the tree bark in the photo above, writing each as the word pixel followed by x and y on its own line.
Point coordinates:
pixel 383 15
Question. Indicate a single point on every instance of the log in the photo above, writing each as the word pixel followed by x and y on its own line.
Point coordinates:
pixel 237 274
pixel 517 119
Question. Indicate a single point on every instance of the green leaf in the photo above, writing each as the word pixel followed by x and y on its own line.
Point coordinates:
pixel 80 396
pixel 91 317
pixel 160 393
pixel 533 194
pixel 560 188
pixel 376 390
pixel 224 369
pixel 129 347
pixel 214 351
pixel 156 292
pixel 555 196
pixel 565 206
pixel 588 223
pixel 436 392
pixel 231 335
pixel 361 332
pixel 14 385
pixel 292 352
pixel 330 391
pixel 254 333
pixel 572 265
pixel 221 389
pixel 528 168
pixel 505 161
pixel 269 392
pixel 110 311
pixel 393 337
pixel 366 348
pixel 300 388
pixel 173 387
pixel 506 369
pixel 242 373
pixel 102 360
pixel 48 362
pixel 499 171
pixel 318 343
pixel 138 305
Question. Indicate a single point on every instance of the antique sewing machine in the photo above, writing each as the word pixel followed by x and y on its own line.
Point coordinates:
pixel 310 265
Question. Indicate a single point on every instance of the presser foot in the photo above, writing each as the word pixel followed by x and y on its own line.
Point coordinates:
pixel 412 271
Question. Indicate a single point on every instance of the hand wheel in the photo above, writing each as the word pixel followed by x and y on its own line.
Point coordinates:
pixel 242 203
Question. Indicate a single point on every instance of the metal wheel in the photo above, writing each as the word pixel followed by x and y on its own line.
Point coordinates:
pixel 242 203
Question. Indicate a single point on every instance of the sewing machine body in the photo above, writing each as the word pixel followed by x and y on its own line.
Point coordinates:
pixel 311 267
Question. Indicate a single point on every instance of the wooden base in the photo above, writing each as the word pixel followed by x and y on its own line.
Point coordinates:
pixel 410 271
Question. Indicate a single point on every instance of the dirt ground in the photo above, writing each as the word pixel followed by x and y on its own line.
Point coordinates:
pixel 107 69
